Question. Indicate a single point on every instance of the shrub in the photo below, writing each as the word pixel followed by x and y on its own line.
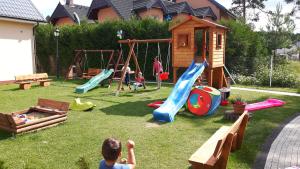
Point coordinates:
pixel 98 36
pixel 245 80
pixel 281 76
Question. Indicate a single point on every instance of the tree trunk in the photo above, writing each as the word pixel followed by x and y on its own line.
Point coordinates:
pixel 244 10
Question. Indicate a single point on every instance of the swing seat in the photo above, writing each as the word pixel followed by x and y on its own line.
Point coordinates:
pixel 164 76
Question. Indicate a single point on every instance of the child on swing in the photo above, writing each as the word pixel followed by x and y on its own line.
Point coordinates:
pixel 157 70
pixel 139 81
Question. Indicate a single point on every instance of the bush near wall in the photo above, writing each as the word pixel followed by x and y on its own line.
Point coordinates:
pixel 99 36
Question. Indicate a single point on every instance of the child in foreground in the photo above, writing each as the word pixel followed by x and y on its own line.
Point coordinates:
pixel 112 151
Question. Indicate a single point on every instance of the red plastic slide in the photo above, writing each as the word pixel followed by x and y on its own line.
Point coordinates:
pixel 264 105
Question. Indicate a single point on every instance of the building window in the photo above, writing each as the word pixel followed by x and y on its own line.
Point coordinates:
pixel 219 41
pixel 183 40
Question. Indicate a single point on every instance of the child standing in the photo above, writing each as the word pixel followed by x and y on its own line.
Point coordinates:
pixel 157 70
pixel 112 151
pixel 127 77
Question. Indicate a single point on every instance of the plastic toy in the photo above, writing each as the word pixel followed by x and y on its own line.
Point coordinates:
pixel 203 100
pixel 94 82
pixel 264 105
pixel 155 104
pixel 77 105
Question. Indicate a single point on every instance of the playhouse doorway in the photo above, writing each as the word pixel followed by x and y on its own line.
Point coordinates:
pixel 201 44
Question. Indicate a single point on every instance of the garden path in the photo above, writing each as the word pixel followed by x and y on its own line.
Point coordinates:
pixel 267 91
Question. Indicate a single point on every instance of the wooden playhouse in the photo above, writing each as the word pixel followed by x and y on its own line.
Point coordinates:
pixel 47 113
pixel 198 39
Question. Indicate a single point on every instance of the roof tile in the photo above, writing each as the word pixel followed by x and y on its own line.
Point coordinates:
pixel 20 9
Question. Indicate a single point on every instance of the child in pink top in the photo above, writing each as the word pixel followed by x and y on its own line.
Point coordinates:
pixel 157 70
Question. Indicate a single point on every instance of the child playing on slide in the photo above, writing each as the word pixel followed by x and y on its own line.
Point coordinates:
pixel 157 70
pixel 139 81
pixel 112 151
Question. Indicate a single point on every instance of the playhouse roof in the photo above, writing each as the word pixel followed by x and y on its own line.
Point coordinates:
pixel 202 21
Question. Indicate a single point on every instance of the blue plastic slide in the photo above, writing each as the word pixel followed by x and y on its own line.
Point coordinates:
pixel 180 93
pixel 93 82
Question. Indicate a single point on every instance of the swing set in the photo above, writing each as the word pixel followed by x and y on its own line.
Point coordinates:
pixel 133 55
pixel 79 67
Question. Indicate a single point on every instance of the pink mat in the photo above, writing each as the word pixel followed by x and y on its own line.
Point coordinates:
pixel 264 105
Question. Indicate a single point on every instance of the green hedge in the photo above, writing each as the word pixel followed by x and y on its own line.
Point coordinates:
pixel 98 36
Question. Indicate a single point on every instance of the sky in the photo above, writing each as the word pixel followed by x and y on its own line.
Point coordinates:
pixel 46 7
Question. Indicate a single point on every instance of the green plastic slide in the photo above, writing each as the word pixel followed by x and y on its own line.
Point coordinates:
pixel 77 105
pixel 94 82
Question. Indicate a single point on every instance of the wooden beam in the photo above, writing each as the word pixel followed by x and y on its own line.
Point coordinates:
pixel 204 44
pixel 93 50
pixel 210 77
pixel 145 41
pixel 131 46
pixel 175 74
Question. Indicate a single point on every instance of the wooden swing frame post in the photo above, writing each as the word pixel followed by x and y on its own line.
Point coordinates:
pixel 131 43
pixel 79 55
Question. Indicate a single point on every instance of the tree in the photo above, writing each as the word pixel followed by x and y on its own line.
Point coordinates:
pixel 245 49
pixel 296 7
pixel 240 7
pixel 280 28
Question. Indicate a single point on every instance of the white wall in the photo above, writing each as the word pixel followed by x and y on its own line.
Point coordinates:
pixel 16 49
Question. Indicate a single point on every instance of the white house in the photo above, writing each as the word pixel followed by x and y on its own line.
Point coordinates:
pixel 18 19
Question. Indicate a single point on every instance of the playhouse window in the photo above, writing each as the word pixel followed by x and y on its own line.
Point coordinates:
pixel 219 41
pixel 183 40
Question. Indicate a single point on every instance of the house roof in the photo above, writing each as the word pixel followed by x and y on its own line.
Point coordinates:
pixel 122 7
pixel 222 8
pixel 182 7
pixel 20 9
pixel 205 12
pixel 203 21
pixel 147 4
pixel 68 11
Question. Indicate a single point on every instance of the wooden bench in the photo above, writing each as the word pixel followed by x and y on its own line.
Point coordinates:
pixel 91 73
pixel 215 151
pixel 25 81
pixel 47 113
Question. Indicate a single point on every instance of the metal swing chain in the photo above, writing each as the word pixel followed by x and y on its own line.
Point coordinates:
pixel 137 50
pixel 102 62
pixel 86 62
pixel 121 50
pixel 168 58
pixel 145 61
pixel 159 52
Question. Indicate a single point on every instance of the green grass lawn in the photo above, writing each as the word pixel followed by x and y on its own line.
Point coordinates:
pixel 126 117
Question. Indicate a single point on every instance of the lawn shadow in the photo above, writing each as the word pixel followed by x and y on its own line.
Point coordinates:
pixel 5 135
pixel 33 87
pixel 152 123
pixel 129 108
